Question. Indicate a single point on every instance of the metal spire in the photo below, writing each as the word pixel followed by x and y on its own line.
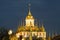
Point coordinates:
pixel 29 13
pixel 49 37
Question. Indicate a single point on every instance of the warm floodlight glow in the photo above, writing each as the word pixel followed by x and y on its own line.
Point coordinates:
pixel 23 39
pixel 18 35
pixel 29 22
pixel 10 32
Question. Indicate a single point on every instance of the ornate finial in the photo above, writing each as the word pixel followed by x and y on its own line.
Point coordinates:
pixel 29 5
pixel 36 22
pixel 42 26
pixel 49 37
pixel 39 23
pixel 29 13
pixel 49 34
pixel 43 29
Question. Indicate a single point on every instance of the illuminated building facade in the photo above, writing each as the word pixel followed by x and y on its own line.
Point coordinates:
pixel 30 31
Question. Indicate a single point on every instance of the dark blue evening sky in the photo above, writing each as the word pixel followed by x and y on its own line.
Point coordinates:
pixel 47 11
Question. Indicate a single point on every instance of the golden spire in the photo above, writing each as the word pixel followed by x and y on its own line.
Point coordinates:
pixel 42 26
pixel 49 38
pixel 29 12
pixel 52 34
pixel 43 29
pixel 29 16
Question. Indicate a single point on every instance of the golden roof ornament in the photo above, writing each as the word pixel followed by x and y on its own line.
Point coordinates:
pixel 29 16
pixel 43 29
pixel 29 9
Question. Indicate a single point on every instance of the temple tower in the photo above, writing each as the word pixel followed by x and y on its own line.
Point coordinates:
pixel 29 18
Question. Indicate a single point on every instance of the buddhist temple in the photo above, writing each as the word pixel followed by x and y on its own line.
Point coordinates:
pixel 30 31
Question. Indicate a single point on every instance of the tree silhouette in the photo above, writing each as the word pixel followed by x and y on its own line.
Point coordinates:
pixel 4 34
pixel 56 37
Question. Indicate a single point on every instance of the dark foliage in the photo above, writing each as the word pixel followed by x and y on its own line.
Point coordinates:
pixel 4 34
pixel 56 37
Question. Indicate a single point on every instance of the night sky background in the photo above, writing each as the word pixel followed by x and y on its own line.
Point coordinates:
pixel 47 11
